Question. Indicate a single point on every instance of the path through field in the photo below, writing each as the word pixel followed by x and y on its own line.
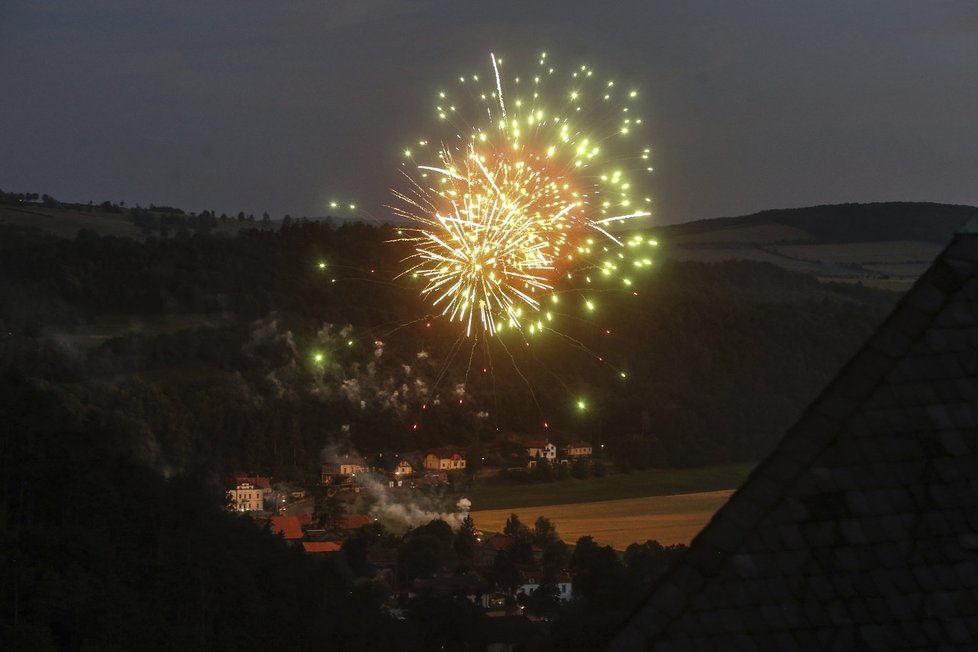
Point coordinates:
pixel 668 519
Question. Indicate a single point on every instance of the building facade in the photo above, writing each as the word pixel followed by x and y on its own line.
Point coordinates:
pixel 444 460
pixel 246 497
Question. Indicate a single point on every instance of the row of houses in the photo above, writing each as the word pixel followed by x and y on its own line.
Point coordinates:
pixel 537 449
pixel 408 464
pixel 435 463
pixel 254 493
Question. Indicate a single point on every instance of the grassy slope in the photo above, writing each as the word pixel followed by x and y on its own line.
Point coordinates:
pixel 66 223
pixel 654 482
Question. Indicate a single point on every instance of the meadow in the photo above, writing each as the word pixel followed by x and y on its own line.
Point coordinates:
pixel 638 484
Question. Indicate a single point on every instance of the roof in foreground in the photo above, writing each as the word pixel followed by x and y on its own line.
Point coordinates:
pixel 860 531
pixel 288 526
pixel 321 546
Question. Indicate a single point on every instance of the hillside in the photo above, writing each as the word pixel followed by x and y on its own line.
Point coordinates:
pixel 243 353
pixel 838 223
pixel 883 245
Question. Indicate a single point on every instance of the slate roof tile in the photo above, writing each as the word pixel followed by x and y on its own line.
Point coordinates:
pixel 819 535
pixel 963 415
pixel 933 631
pixel 970 287
pixel 956 442
pixel 969 541
pixel 924 296
pixel 967 388
pixel 962 314
pixel 962 248
pixel 670 599
pixel 852 531
pixel 743 643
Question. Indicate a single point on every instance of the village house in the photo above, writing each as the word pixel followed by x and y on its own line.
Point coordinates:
pixel 444 459
pixel 339 467
pixel 402 471
pixel 404 468
pixel 246 497
pixel 541 449
pixel 577 450
pixel 491 545
pixel 261 482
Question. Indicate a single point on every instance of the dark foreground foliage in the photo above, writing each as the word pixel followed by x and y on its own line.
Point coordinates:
pixel 99 551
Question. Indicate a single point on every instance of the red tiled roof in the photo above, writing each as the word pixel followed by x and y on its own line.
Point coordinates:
pixel 287 526
pixel 346 458
pixel 355 521
pixel 320 546
pixel 500 542
pixel 446 453
pixel 537 443
pixel 260 481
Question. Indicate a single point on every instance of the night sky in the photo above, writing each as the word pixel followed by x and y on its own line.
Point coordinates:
pixel 278 106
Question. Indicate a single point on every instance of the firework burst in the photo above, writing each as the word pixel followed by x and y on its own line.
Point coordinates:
pixel 503 199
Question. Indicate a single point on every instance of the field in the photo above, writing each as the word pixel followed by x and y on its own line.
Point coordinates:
pixel 862 253
pixel 755 234
pixel 640 484
pixel 67 223
pixel 619 523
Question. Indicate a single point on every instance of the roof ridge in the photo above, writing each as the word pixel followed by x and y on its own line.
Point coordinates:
pixel 815 429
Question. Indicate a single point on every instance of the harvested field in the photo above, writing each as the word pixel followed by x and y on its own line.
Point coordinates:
pixel 903 270
pixel 899 285
pixel 754 235
pixel 720 253
pixel 668 519
pixel 862 253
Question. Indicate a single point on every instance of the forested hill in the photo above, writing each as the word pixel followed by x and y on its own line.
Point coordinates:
pixel 844 223
pixel 256 351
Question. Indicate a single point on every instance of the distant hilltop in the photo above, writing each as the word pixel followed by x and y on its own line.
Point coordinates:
pixel 924 222
pixel 839 223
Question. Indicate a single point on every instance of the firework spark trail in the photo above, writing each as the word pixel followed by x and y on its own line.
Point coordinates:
pixel 499 86
pixel 502 204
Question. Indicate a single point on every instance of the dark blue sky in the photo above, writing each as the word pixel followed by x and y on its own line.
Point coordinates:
pixel 261 105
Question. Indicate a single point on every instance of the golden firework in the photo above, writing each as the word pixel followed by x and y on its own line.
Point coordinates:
pixel 502 198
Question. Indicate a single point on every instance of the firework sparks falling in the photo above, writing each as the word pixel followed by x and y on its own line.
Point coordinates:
pixel 517 176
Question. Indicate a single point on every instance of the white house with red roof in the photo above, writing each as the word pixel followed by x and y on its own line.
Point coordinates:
pixel 541 449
